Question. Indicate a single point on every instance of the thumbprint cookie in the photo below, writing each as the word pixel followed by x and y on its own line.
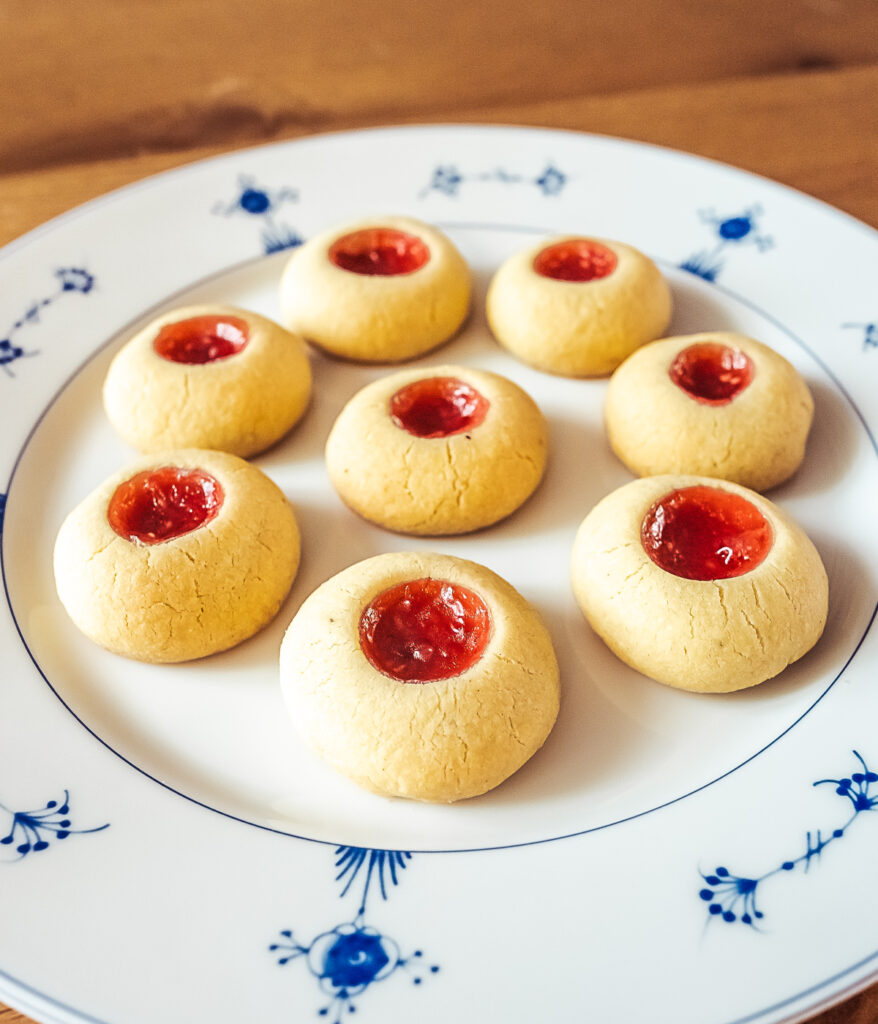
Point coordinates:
pixel 717 404
pixel 208 377
pixel 699 583
pixel 178 556
pixel 379 290
pixel 577 306
pixel 420 675
pixel 435 451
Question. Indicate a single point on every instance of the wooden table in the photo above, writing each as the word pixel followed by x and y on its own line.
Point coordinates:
pixel 98 93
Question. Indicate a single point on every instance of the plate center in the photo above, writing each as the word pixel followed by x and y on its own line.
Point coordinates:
pixel 216 730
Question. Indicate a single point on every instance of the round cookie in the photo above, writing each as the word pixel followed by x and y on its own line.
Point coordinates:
pixel 716 404
pixel 382 289
pixel 577 306
pixel 208 377
pixel 729 592
pixel 437 451
pixel 177 556
pixel 420 675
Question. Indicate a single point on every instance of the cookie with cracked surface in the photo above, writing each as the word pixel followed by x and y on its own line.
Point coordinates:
pixel 177 556
pixel 699 583
pixel 577 306
pixel 377 290
pixel 206 376
pixel 420 675
pixel 714 404
pixel 435 451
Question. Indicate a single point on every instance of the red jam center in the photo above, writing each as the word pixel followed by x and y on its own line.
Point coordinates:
pixel 382 252
pixel 438 407
pixel 161 504
pixel 423 630
pixel 711 373
pixel 202 339
pixel 578 259
pixel 705 533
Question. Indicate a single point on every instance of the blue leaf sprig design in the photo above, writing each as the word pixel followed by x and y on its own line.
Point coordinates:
pixel 35 831
pixel 448 180
pixel 70 280
pixel 732 898
pixel 869 331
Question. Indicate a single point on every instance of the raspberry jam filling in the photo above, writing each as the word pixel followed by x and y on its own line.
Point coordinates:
pixel 711 373
pixel 438 407
pixel 382 252
pixel 577 259
pixel 202 339
pixel 705 533
pixel 160 504
pixel 423 630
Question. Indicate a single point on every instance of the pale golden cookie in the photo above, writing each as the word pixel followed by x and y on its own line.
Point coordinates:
pixel 578 328
pixel 441 739
pixel 443 484
pixel 740 411
pixel 706 635
pixel 376 317
pixel 240 403
pixel 193 594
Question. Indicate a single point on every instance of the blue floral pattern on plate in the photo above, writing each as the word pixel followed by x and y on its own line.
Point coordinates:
pixel 34 831
pixel 738 229
pixel 447 180
pixel 70 279
pixel 257 201
pixel 732 897
pixel 350 957
pixel 870 333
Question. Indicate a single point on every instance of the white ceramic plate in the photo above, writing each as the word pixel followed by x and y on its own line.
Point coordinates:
pixel 665 857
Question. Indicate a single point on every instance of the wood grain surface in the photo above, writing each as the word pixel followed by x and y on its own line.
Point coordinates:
pixel 97 94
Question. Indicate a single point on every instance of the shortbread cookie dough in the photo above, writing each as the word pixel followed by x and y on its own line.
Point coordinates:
pixel 177 556
pixel 437 451
pixel 420 675
pixel 577 306
pixel 382 289
pixel 699 583
pixel 718 404
pixel 208 377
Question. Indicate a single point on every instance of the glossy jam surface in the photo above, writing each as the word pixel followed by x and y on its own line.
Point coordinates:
pixel 425 629
pixel 382 252
pixel 160 504
pixel 577 259
pixel 705 533
pixel 438 407
pixel 711 373
pixel 202 339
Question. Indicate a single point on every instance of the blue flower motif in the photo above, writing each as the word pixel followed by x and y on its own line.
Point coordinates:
pixel 732 897
pixel 349 958
pixel 257 201
pixel 71 279
pixel 75 279
pixel 33 831
pixel 551 181
pixel 870 333
pixel 9 353
pixel 733 230
pixel 448 180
